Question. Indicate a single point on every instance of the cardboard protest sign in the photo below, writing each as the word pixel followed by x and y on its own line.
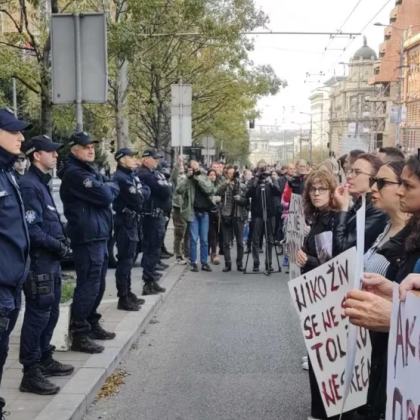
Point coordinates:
pixel 295 233
pixel 403 389
pixel 318 297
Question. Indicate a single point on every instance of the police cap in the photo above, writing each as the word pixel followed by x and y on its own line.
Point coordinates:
pixel 9 122
pixel 81 139
pixel 125 151
pixel 153 153
pixel 41 143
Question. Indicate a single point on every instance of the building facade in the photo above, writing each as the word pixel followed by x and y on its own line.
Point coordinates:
pixel 352 119
pixel 388 72
pixel 320 110
pixel 411 93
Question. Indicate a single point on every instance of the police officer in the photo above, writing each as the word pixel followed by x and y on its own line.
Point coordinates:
pixel 128 208
pixel 154 218
pixel 20 166
pixel 165 169
pixel 87 197
pixel 14 236
pixel 42 288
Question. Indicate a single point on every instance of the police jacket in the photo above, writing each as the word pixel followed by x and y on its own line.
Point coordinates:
pixel 132 193
pixel 44 225
pixel 344 233
pixel 87 196
pixel 255 194
pixel 160 189
pixel 14 236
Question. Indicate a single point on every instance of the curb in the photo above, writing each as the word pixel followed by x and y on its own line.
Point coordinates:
pixel 80 391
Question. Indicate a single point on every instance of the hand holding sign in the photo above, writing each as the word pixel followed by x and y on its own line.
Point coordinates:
pixel 412 282
pixel 367 310
pixel 378 285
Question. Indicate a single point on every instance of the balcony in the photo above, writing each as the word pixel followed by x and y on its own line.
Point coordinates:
pixel 394 13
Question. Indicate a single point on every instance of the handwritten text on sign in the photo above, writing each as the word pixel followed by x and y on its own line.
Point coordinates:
pixel 318 297
pixel 403 389
pixel 295 233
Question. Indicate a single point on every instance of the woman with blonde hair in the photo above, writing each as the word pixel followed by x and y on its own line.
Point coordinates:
pixel 331 165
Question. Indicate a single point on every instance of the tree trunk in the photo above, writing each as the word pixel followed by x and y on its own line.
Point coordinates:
pixel 46 107
pixel 121 111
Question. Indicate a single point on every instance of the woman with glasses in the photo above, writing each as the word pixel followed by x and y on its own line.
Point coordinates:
pixel 359 183
pixel 320 209
pixel 384 258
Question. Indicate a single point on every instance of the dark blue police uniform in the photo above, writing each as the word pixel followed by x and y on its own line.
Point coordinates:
pixel 128 208
pixel 154 220
pixel 14 240
pixel 42 288
pixel 87 197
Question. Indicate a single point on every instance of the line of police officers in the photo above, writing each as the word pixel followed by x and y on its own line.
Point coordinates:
pixel 33 242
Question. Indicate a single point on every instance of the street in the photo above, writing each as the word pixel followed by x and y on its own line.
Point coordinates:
pixel 223 346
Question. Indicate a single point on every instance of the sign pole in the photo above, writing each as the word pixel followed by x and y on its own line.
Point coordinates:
pixel 79 105
pixel 14 96
pixel 181 116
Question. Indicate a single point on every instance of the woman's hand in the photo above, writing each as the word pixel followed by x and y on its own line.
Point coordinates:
pixel 410 283
pixel 342 198
pixel 369 311
pixel 378 285
pixel 302 258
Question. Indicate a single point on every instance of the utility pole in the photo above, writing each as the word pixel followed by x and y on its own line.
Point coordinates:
pixel 400 86
pixel 359 82
pixel 14 96
pixel 310 141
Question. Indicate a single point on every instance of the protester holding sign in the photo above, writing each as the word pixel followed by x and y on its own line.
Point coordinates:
pixel 372 307
pixel 319 208
pixel 344 235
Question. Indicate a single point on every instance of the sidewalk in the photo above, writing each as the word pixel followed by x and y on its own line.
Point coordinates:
pixel 79 390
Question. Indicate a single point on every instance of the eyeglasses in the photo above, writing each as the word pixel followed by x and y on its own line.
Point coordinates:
pixel 321 190
pixel 381 182
pixel 356 173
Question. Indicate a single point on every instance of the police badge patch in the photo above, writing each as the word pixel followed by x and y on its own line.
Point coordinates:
pixel 133 190
pixel 30 216
pixel 87 183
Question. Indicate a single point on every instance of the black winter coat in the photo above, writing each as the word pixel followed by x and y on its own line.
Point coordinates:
pixel 345 234
pixel 323 223
pixel 87 196
pixel 255 194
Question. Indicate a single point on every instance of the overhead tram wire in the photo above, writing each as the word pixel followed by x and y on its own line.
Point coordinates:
pixel 342 26
pixel 351 42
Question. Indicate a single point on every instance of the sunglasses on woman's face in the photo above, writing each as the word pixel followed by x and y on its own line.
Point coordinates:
pixel 381 182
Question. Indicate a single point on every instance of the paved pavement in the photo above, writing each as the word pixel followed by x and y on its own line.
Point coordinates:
pixel 80 389
pixel 222 347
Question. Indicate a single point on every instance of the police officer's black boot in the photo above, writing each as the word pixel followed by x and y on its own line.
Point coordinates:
pixel 2 412
pixel 35 382
pixel 126 304
pixel 84 344
pixel 228 267
pixel 157 288
pixel 98 333
pixel 160 266
pixel 136 299
pixel 166 253
pixel 52 367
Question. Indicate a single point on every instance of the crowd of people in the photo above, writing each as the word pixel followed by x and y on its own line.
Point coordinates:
pixel 214 209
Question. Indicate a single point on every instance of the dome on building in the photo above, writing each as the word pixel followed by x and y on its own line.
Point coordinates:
pixel 365 53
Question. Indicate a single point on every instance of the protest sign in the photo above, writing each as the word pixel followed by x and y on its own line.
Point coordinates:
pixel 318 297
pixel 295 233
pixel 357 280
pixel 403 392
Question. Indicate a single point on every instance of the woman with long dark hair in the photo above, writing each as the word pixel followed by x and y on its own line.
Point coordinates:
pixel 372 307
pixel 364 169
pixel 320 209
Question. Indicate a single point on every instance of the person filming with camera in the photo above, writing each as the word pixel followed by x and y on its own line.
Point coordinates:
pixel 234 214
pixel 262 192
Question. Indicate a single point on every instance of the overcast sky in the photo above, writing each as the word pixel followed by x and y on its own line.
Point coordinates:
pixel 294 56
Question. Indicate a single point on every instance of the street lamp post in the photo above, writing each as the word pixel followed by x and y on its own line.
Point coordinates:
pixel 310 136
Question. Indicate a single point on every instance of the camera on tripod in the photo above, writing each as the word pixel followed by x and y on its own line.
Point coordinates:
pixel 263 174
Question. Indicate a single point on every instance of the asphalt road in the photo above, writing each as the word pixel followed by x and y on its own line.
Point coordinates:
pixel 222 347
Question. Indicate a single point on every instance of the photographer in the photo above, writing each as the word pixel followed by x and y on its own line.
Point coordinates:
pixel 196 191
pixel 262 193
pixel 234 214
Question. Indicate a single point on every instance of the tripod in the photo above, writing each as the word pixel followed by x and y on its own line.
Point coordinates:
pixel 266 224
